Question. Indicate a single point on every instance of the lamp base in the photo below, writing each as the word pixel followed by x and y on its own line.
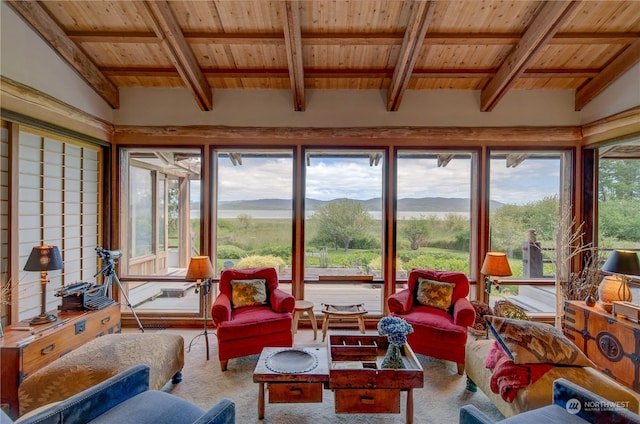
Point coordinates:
pixel 43 319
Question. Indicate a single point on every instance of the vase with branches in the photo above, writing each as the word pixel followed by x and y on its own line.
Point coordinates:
pixel 570 244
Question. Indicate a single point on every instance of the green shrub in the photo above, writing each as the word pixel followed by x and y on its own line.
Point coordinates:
pixel 282 251
pixel 231 252
pixel 376 264
pixel 259 261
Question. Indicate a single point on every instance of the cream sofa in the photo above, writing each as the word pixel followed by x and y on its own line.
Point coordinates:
pixel 540 393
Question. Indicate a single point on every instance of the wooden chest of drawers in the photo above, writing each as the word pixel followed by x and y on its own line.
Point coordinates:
pixel 22 353
pixel 612 343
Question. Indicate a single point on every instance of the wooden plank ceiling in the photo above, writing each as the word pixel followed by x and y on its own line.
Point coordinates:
pixel 487 45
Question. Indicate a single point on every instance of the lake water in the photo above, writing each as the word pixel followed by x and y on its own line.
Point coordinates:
pixel 280 214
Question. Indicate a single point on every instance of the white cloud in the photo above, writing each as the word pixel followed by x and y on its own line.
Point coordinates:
pixel 262 178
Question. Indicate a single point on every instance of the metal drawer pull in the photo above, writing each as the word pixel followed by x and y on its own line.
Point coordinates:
pixel 105 320
pixel 48 349
pixel 295 391
pixel 367 400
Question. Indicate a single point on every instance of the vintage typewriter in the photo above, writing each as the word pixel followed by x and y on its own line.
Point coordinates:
pixel 83 296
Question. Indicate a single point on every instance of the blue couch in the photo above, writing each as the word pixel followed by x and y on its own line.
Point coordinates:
pixel 571 404
pixel 126 399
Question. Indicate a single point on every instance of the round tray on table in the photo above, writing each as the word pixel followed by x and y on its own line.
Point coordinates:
pixel 291 361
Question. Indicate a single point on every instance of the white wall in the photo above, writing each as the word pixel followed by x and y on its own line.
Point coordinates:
pixel 27 59
pixel 344 108
pixel 622 95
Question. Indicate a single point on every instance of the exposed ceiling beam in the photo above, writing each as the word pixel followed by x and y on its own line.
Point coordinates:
pixel 49 30
pixel 421 15
pixel 167 29
pixel 134 71
pixel 293 45
pixel 621 64
pixel 543 27
pixel 352 38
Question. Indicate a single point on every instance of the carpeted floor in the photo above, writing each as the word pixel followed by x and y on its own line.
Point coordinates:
pixel 204 384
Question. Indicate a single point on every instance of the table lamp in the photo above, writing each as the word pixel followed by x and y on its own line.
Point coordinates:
pixel 201 270
pixel 615 287
pixel 43 259
pixel 495 265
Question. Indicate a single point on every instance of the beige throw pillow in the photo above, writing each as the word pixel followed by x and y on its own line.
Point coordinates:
pixel 530 342
pixel 434 293
pixel 248 292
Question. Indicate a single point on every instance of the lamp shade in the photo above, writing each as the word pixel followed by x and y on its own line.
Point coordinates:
pixel 200 268
pixel 496 265
pixel 622 262
pixel 44 258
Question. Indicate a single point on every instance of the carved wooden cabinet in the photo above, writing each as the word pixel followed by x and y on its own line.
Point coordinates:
pixel 22 352
pixel 612 343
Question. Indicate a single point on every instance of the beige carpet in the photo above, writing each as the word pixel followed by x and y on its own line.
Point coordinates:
pixel 204 384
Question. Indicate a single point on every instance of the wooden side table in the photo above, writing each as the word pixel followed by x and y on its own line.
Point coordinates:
pixel 356 311
pixel 301 307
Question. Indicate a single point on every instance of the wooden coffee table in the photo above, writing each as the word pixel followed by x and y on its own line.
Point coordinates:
pixel 292 375
pixel 349 365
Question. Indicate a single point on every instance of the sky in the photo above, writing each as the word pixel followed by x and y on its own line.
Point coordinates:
pixel 260 178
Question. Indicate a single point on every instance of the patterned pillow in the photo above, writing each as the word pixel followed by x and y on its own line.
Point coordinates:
pixel 530 342
pixel 248 292
pixel 434 293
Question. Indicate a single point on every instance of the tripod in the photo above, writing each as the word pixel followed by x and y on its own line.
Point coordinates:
pixel 205 289
pixel 109 274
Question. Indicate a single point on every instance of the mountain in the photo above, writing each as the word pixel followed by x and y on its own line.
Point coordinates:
pixel 426 204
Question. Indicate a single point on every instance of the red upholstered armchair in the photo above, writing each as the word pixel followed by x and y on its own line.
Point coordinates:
pixel 245 330
pixel 439 333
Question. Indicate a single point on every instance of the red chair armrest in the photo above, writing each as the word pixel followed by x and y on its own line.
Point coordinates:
pixel 463 313
pixel 221 309
pixel 281 301
pixel 400 302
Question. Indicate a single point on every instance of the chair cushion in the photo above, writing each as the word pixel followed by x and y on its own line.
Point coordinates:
pixel 531 342
pixel 248 292
pixel 437 319
pixel 152 407
pixel 253 321
pixel 434 293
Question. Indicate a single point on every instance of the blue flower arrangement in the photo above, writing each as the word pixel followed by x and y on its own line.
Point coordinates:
pixel 396 330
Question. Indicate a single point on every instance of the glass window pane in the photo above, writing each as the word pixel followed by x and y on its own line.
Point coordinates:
pixel 618 205
pixel 524 190
pixel 162 212
pixel 141 191
pixel 343 227
pixel 254 210
pixel 434 204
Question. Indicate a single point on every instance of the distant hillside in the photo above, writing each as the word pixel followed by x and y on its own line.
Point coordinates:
pixel 427 204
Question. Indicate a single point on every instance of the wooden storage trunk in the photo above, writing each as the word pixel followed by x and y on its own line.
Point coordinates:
pixel 612 343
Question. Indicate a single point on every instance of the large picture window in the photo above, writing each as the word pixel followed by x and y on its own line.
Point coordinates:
pixel 161 227
pixel 254 210
pixel 434 202
pixel 618 226
pixel 525 211
pixel 343 227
